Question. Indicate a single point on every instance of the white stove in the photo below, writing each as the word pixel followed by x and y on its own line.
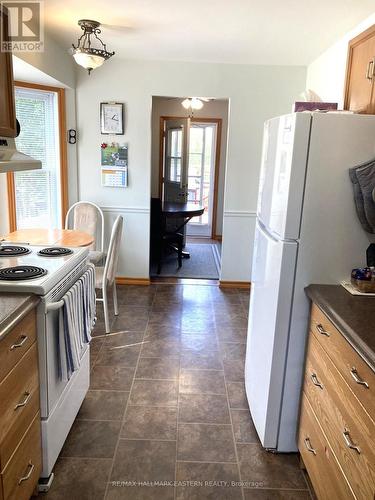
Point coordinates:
pixel 16 270
pixel 44 272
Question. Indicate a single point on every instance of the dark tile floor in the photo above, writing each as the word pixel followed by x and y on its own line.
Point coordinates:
pixel 167 406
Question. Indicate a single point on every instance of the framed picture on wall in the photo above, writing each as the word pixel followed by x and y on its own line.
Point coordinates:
pixel 112 118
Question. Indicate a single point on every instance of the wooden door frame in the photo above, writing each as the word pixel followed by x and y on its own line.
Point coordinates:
pixel 63 156
pixel 219 125
pixel 368 33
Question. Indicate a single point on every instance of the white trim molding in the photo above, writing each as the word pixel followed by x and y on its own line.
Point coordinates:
pixel 239 213
pixel 127 210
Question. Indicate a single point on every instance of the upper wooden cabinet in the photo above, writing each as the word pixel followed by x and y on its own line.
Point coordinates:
pixel 360 74
pixel 7 108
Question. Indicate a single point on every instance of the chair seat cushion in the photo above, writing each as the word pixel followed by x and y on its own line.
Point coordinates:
pixel 99 277
pixel 96 256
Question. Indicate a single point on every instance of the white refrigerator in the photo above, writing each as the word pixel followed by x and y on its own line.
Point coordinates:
pixel 307 232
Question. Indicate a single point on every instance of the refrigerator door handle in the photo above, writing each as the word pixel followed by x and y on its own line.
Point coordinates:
pixel 265 231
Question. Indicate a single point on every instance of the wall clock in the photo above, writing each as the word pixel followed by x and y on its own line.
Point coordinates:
pixel 112 118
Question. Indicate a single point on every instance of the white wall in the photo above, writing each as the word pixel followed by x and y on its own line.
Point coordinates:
pixel 166 106
pixel 54 61
pixel 255 92
pixel 326 75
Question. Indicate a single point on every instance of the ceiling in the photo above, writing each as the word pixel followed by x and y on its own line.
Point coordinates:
pixel 227 31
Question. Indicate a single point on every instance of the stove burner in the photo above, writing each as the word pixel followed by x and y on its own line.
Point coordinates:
pixel 12 250
pixel 55 251
pixel 18 273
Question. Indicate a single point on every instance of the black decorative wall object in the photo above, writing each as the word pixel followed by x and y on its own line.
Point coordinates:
pixel 370 254
pixel 72 136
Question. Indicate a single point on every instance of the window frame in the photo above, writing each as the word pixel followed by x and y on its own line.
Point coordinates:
pixel 60 92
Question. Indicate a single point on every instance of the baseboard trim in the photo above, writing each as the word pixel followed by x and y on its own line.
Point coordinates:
pixel 166 280
pixel 244 285
pixel 122 280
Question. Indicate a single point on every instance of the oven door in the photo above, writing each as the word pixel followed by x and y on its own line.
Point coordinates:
pixel 54 385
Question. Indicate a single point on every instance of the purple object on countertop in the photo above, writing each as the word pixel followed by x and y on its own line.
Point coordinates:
pixel 314 106
pixel 364 274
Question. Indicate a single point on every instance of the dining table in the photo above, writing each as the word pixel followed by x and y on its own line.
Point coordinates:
pixel 49 237
pixel 183 212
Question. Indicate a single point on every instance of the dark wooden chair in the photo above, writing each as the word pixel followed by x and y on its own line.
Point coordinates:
pixel 161 239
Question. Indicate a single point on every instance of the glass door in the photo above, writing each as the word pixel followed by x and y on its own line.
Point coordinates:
pixel 201 175
pixel 176 146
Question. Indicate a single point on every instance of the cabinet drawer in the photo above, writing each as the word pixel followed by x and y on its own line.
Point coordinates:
pixel 347 426
pixel 22 472
pixel 19 402
pixel 324 471
pixel 356 373
pixel 16 343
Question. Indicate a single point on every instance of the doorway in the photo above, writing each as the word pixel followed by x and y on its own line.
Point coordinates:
pixel 188 168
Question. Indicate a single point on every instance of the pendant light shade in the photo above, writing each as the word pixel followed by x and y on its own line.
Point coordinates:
pixel 90 52
pixel 88 61
pixel 192 103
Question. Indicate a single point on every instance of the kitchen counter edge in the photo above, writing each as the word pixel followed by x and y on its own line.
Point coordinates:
pixel 347 313
pixel 14 307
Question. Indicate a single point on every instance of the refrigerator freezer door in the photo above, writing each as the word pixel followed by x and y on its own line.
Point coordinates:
pixel 274 264
pixel 283 170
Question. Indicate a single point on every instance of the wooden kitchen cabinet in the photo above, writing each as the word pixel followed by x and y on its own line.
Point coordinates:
pixel 360 75
pixel 20 432
pixel 7 107
pixel 337 427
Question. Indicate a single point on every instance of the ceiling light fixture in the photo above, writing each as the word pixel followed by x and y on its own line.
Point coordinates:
pixel 192 103
pixel 85 54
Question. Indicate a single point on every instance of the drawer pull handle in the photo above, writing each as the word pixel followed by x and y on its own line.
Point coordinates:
pixel 309 447
pixel 349 442
pixel 321 330
pixel 24 402
pixel 30 467
pixel 357 378
pixel 369 74
pixel 20 343
pixel 315 381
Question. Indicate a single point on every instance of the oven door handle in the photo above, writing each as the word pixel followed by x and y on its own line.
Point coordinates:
pixel 54 306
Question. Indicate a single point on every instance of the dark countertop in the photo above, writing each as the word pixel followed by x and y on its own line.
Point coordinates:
pixel 13 307
pixel 352 315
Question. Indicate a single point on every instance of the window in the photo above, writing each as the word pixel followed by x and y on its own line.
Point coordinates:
pixel 175 154
pixel 38 197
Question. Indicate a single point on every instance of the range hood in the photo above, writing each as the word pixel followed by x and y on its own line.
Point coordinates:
pixel 12 160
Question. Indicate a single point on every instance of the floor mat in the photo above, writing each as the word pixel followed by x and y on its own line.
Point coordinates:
pixel 203 263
